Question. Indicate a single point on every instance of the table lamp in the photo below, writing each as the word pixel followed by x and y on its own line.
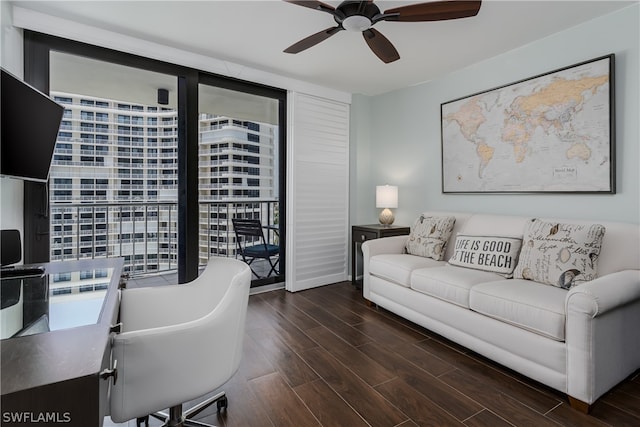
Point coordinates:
pixel 386 197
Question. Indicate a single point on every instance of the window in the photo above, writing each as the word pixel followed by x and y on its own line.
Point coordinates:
pixel 126 123
pixel 62 100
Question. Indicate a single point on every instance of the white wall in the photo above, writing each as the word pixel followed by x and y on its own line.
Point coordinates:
pixel 11 190
pixel 401 143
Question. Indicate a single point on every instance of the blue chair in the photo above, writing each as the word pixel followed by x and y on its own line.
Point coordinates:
pixel 252 245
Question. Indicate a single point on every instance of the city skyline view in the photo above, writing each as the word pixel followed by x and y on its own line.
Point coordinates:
pixel 113 182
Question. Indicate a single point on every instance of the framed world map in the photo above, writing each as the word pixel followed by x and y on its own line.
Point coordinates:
pixel 552 133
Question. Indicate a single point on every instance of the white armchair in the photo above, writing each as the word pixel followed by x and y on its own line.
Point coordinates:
pixel 179 342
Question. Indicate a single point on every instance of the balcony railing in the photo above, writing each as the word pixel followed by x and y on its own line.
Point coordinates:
pixel 145 233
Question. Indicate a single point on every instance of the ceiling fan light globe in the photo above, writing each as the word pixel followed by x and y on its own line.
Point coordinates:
pixel 356 23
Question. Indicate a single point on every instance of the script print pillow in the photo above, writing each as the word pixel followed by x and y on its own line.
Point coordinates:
pixel 487 253
pixel 429 236
pixel 562 255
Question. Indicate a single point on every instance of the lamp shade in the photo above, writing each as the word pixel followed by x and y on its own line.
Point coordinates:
pixel 386 196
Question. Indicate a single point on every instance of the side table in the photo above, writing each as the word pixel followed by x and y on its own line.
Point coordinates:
pixel 362 233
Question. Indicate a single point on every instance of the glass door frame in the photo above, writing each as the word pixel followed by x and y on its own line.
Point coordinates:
pixel 37 47
pixel 279 95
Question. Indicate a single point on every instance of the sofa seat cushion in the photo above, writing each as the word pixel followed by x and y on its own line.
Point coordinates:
pixel 397 268
pixel 450 283
pixel 529 305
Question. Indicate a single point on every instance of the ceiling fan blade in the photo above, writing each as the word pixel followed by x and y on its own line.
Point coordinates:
pixel 317 5
pixel 312 40
pixel 433 11
pixel 380 45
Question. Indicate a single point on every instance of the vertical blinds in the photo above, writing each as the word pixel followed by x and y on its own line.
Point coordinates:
pixel 318 191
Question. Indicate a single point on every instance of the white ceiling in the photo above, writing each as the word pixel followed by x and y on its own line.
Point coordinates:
pixel 254 34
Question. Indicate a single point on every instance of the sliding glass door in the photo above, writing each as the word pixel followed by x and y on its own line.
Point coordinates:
pixel 153 162
pixel 239 178
pixel 114 178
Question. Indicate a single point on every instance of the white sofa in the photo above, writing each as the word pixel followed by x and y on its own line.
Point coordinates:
pixel 582 341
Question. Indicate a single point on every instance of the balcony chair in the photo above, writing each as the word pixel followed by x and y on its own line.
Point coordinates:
pixel 178 343
pixel 252 245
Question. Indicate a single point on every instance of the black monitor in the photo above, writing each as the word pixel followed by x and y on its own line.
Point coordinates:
pixel 30 123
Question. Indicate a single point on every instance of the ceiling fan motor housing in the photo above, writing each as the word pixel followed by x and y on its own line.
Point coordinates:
pixel 356 15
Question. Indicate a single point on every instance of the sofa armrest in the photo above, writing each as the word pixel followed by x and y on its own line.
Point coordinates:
pixel 385 245
pixel 603 345
pixel 605 293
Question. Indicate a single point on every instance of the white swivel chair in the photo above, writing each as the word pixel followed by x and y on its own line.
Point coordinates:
pixel 179 342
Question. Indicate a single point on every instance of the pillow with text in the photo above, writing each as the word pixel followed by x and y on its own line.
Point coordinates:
pixel 488 253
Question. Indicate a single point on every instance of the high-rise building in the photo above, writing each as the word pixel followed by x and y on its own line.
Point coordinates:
pixel 113 186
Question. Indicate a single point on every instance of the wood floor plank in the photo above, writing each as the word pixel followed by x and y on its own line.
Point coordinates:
pixel 288 311
pixel 325 318
pixel 371 406
pixel 322 299
pixel 486 418
pixel 613 415
pixel 423 359
pixel 289 332
pixel 253 363
pixel 327 406
pixel 528 393
pixel 495 400
pixel 282 405
pixel 245 409
pixel 565 415
pixel 421 410
pixel 390 336
pixel 630 387
pixel 350 356
pixel 448 398
pixel 620 399
pixel 287 362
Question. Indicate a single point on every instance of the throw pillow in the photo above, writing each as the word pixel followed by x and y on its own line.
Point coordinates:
pixel 561 255
pixel 488 253
pixel 429 236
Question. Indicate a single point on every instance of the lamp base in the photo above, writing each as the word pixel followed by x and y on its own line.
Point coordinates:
pixel 386 217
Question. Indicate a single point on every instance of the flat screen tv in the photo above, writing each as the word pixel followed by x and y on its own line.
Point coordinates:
pixel 30 123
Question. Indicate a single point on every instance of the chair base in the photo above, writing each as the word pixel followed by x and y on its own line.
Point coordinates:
pixel 176 418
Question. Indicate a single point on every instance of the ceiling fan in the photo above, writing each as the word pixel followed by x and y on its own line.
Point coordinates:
pixel 363 15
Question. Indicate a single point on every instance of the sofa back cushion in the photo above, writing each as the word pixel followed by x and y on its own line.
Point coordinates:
pixel 495 225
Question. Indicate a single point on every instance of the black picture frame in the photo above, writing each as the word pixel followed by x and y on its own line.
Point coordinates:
pixel 551 133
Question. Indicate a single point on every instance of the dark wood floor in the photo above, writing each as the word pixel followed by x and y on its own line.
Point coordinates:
pixel 322 357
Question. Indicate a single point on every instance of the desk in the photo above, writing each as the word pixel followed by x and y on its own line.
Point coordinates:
pixel 54 377
pixel 362 233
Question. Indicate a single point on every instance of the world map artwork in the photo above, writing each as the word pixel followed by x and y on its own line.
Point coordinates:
pixel 550 133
